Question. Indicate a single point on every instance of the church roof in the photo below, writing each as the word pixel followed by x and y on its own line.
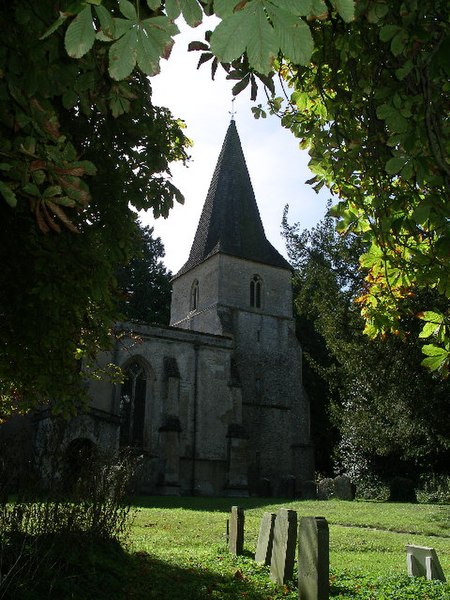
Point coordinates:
pixel 230 221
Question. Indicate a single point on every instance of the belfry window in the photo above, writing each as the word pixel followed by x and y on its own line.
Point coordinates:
pixel 194 295
pixel 132 406
pixel 256 291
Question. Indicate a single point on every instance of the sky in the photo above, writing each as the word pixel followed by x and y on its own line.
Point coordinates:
pixel 278 168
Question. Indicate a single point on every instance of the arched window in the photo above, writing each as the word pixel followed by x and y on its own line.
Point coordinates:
pixel 132 406
pixel 194 295
pixel 256 291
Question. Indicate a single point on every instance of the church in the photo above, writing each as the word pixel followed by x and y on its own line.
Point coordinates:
pixel 214 403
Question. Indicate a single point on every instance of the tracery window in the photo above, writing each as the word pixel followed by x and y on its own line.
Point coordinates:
pixel 194 295
pixel 132 406
pixel 256 291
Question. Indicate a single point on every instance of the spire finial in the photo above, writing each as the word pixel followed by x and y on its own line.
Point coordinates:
pixel 233 110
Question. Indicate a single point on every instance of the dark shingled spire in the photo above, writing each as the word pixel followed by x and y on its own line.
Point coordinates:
pixel 230 222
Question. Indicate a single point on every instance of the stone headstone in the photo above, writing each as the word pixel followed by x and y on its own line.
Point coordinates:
pixel 264 488
pixel 343 488
pixel 284 545
pixel 263 554
pixel 308 490
pixel 325 489
pixel 401 489
pixel 313 559
pixel 236 530
pixel 423 562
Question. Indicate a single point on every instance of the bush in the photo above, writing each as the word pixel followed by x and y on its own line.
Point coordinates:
pixel 434 489
pixel 42 537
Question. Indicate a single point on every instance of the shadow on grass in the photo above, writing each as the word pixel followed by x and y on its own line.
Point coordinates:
pixel 204 503
pixel 76 569
pixel 154 578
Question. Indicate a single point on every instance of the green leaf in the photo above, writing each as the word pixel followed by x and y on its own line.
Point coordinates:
pixel 153 4
pixel 8 194
pixel 147 54
pixel 52 190
pixel 318 8
pixel 224 8
pixel 228 40
pixel 395 165
pixel 346 9
pixel 192 13
pixel 398 43
pixel 106 21
pixel 421 213
pixel 296 7
pixel 432 350
pixel 80 35
pixel 387 32
pixel 262 43
pixel 430 315
pixel 293 36
pixel 128 10
pixel 31 189
pixel 433 363
pixel 123 55
pixel 428 330
pixel 437 357
pixel 173 9
pixel 56 25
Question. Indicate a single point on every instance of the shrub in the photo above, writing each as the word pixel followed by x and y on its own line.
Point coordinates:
pixel 42 535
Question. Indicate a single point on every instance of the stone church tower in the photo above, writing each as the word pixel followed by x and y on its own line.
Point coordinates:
pixel 214 403
pixel 236 283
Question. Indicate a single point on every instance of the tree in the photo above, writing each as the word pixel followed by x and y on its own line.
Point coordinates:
pixel 62 242
pixel 375 130
pixel 390 414
pixel 145 282
pixel 369 99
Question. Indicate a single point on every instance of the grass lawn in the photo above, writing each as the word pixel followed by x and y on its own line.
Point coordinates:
pixel 180 548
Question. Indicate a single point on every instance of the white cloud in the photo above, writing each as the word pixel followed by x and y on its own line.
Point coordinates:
pixel 278 169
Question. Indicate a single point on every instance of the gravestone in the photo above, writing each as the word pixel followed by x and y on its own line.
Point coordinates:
pixel 308 490
pixel 401 489
pixel 343 488
pixel 313 559
pixel 263 554
pixel 236 530
pixel 423 562
pixel 325 489
pixel 284 545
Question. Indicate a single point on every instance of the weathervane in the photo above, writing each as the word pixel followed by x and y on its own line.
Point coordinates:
pixel 233 111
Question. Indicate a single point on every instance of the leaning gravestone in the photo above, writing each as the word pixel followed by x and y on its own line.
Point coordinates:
pixel 236 530
pixel 313 559
pixel 423 562
pixel 263 554
pixel 325 489
pixel 343 488
pixel 284 545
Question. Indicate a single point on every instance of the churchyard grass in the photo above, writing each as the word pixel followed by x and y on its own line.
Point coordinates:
pixel 183 545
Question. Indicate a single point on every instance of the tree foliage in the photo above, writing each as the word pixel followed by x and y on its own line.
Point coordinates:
pixel 388 412
pixel 369 99
pixel 144 282
pixel 372 110
pixel 370 103
pixel 62 242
